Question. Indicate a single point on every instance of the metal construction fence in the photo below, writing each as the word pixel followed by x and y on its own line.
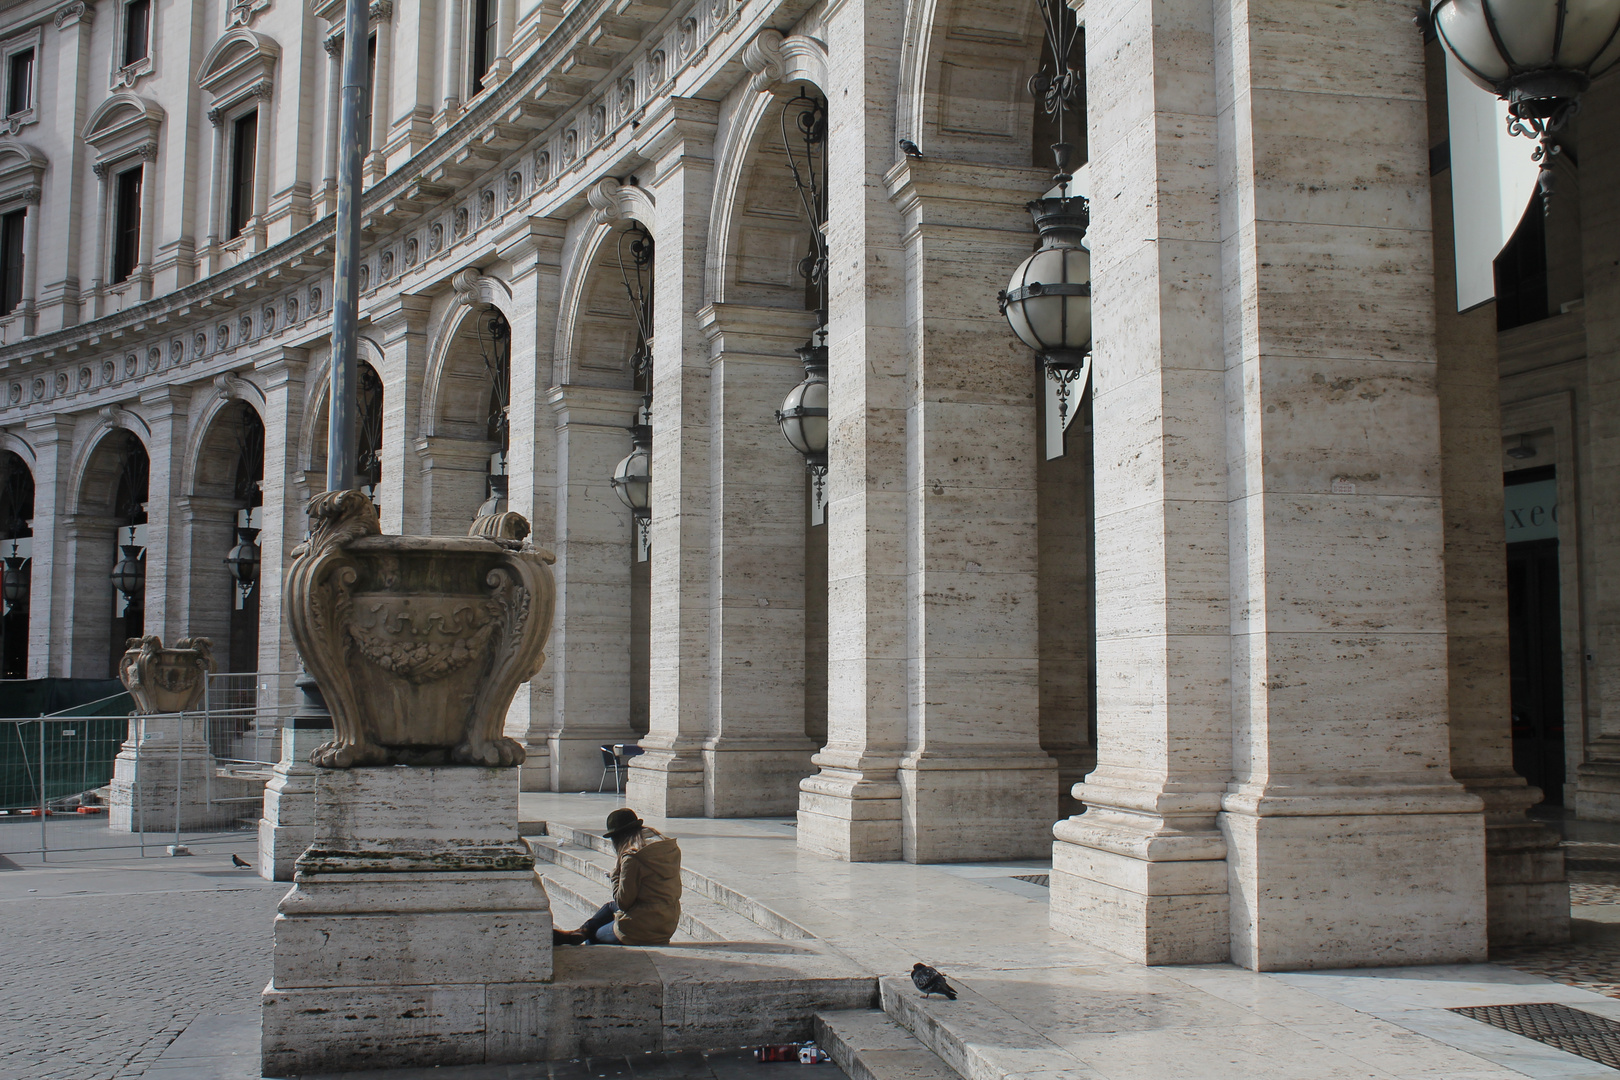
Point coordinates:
pixel 98 782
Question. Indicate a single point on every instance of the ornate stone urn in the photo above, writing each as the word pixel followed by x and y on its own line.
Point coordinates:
pixel 166 680
pixel 418 643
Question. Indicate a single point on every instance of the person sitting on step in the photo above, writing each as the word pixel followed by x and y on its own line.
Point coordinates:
pixel 646 904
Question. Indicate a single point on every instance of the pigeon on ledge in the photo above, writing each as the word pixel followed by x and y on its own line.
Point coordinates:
pixel 909 148
pixel 237 860
pixel 931 982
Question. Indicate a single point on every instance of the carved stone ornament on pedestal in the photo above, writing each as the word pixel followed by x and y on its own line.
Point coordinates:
pixel 166 680
pixel 418 643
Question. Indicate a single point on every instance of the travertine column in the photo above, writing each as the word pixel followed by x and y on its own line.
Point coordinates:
pixel 532 249
pixel 1527 896
pixel 453 472
pixel 87 595
pixel 1349 841
pixel 851 808
pixel 976 783
pixel 756 752
pixel 401 325
pixel 282 374
pixel 595 543
pixel 667 781
pixel 1142 872
pixel 1598 778
pixel 50 569
pixel 207 528
pixel 165 409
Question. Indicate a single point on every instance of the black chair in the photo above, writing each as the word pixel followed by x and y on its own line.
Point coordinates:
pixel 611 764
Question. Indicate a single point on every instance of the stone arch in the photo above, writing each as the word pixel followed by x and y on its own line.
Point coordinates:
pixel 459 440
pixel 474 291
pixel 312 431
pixel 596 326
pixel 227 390
pixel 207 521
pixel 102 508
pixel 757 226
pixel 110 419
pixel 16 532
pixel 965 66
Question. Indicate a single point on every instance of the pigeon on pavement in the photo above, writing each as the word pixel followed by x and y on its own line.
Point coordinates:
pixel 930 981
pixel 237 860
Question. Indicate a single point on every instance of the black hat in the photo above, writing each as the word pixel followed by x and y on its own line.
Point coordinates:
pixel 621 821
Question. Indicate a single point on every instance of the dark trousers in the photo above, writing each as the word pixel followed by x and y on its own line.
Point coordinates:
pixel 603 917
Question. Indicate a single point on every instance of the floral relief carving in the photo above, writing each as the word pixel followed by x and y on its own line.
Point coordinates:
pixel 109 372
pixel 15 392
pixel 84 378
pixel 292 311
pixel 418 643
pixel 459 228
pixel 39 389
pixel 385 266
pixel 655 68
pixel 131 363
pixel 486 206
pixel 315 300
pixel 177 352
pixel 154 357
pixel 199 345
pixel 435 238
pixel 166 680
pixel 365 276
pixel 411 249
pixel 267 319
pixel 514 187
pixel 542 167
pixel 244 329
pixel 222 337
pixel 61 382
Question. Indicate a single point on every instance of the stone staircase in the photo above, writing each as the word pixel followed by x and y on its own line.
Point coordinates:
pixel 907 1039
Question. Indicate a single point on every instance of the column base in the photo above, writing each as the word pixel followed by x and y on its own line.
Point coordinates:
pixel 169 782
pixel 1357 889
pixel 666 783
pixel 1527 889
pixel 963 809
pixel 755 780
pixel 535 774
pixel 288 824
pixel 850 814
pixel 1597 791
pixel 1138 887
pixel 576 761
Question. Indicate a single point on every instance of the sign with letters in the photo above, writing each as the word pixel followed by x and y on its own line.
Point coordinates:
pixel 1531 511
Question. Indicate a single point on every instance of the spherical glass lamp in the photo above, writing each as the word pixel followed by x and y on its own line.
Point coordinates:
pixel 129 576
pixel 1048 301
pixel 14 583
pixel 1537 55
pixel 632 477
pixel 803 415
pixel 243 559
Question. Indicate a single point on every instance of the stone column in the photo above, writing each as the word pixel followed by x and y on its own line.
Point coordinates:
pixel 975 781
pixel 1342 812
pixel 1142 872
pixel 667 781
pixel 165 409
pixel 207 528
pixel 851 808
pixel 590 645
pixel 51 568
pixel 532 249
pixel 87 596
pixel 282 374
pixel 452 472
pixel 1597 793
pixel 401 325
pixel 756 752
pixel 1527 896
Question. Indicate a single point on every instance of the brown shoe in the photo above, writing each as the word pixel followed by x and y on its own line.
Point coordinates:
pixel 567 937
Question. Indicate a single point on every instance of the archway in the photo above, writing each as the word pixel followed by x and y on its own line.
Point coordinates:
pixel 16 549
pixel 109 538
pixel 222 520
pixel 464 459
pixel 368 431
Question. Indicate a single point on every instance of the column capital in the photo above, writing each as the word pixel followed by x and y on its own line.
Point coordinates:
pixel 163 402
pixel 752 328
pixel 282 366
pixel 48 429
pixel 682 128
pixel 930 192
pixel 401 314
pixel 529 240
pixel 597 406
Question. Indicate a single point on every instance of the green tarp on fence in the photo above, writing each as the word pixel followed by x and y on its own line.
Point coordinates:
pixel 82 736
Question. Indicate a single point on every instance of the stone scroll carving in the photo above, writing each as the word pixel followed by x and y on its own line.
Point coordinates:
pixel 417 643
pixel 166 680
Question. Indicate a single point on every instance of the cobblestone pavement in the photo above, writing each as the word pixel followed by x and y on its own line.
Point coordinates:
pixel 110 956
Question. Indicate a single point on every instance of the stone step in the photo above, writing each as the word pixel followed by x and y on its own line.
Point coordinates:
pixel 975 1038
pixel 752 910
pixel 583 879
pixel 868 1045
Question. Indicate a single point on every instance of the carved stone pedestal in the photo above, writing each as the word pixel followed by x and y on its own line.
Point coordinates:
pixel 417 932
pixel 166 759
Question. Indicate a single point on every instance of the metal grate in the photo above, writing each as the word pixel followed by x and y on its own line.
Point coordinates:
pixel 1035 879
pixel 1596 1038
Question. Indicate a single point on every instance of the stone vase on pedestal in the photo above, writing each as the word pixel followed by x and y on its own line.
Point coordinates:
pixel 163 777
pixel 417 932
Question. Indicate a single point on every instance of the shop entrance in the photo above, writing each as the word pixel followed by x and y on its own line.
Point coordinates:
pixel 1535 648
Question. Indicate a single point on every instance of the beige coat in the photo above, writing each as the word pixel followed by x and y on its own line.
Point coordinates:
pixel 647 888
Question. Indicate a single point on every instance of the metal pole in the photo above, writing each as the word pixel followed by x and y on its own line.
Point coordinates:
pixel 341 446
pixel 44 843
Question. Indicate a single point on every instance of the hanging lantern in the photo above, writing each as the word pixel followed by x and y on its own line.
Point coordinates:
pixel 243 563
pixel 1048 305
pixel 632 482
pixel 15 579
pixel 1536 55
pixel 129 576
pixel 803 418
pixel 496 484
